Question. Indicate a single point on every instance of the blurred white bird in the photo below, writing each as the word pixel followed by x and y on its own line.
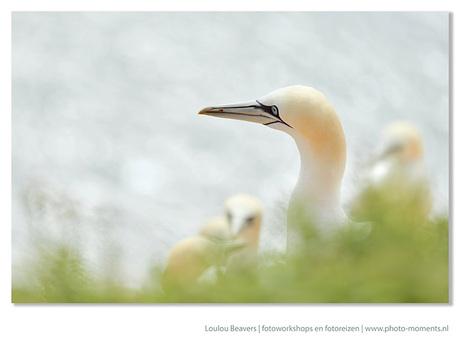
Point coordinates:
pixel 306 115
pixel 191 257
pixel 244 214
pixel 398 173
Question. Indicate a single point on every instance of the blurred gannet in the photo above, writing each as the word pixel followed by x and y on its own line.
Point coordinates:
pixel 244 214
pixel 398 173
pixel 305 114
pixel 191 257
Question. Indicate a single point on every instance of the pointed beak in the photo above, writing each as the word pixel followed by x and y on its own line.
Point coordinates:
pixel 250 111
pixel 238 225
pixel 384 152
pixel 233 246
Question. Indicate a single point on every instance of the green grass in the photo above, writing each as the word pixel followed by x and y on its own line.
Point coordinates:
pixel 399 261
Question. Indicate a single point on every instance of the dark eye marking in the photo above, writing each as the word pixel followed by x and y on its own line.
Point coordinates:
pixel 274 111
pixel 268 108
pixel 229 217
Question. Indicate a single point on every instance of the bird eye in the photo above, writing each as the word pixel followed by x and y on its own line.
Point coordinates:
pixel 274 110
pixel 229 217
pixel 249 220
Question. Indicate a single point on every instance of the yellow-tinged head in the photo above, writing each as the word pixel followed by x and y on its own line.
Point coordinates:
pixel 301 111
pixel 216 228
pixel 244 214
pixel 401 140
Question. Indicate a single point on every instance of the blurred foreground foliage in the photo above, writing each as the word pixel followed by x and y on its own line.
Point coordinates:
pixel 394 259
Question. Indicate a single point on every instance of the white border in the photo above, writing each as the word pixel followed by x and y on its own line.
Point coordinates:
pixel 172 320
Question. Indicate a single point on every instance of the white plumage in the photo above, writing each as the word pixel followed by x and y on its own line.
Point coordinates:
pixel 191 257
pixel 305 114
pixel 398 174
pixel 244 214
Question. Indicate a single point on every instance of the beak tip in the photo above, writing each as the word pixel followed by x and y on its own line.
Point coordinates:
pixel 204 111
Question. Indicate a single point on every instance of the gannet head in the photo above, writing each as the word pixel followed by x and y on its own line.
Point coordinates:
pixel 216 228
pixel 301 111
pixel 244 214
pixel 402 141
pixel 399 154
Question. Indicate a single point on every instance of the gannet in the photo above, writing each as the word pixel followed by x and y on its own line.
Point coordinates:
pixel 398 173
pixel 305 114
pixel 244 215
pixel 191 257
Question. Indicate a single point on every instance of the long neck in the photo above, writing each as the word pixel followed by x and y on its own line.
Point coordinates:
pixel 246 258
pixel 317 192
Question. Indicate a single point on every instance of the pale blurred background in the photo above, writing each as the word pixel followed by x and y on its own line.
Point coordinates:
pixel 110 156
